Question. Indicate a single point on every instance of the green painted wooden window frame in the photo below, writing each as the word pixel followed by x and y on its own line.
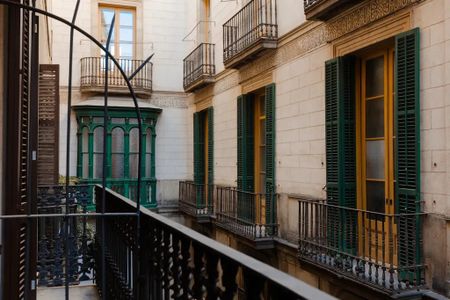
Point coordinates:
pixel 91 117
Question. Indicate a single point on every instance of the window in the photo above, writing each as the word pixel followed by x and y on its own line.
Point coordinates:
pixel 122 148
pixel 124 32
pixel 204 154
pixel 256 152
pixel 372 114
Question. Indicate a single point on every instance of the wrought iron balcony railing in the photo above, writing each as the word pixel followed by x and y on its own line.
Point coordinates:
pixel 250 215
pixel 93 76
pixel 196 200
pixel 199 67
pixel 381 250
pixel 52 240
pixel 175 262
pixel 253 29
pixel 325 9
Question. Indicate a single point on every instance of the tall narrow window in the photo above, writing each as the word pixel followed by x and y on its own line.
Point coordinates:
pixel 117 153
pixel 98 152
pixel 85 152
pixel 148 153
pixel 134 152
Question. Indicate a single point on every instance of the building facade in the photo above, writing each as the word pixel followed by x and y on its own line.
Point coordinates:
pixel 329 144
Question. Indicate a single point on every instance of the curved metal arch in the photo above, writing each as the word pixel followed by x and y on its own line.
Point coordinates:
pixel 72 25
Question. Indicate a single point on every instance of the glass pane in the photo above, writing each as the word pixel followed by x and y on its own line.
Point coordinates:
pixel 148 141
pixel 133 120
pixel 263 105
pixel 375 196
pixel 126 34
pixel 126 52
pixel 85 166
pixel 117 143
pixel 133 165
pixel 148 165
pixel 118 120
pixel 374 118
pixel 126 18
pixel 85 140
pixel 98 139
pixel 134 140
pixel 262 183
pixel 98 120
pixel 98 165
pixel 375 159
pixel 117 166
pixel 375 77
pixel 106 19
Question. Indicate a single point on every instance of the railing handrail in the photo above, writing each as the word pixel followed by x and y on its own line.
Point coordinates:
pixel 237 13
pixel 233 188
pixel 323 202
pixel 282 279
pixel 196 49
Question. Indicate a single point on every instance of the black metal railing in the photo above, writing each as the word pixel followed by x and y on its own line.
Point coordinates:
pixel 175 262
pixel 93 75
pixel 307 4
pixel 382 250
pixel 256 21
pixel 199 65
pixel 51 236
pixel 196 199
pixel 251 215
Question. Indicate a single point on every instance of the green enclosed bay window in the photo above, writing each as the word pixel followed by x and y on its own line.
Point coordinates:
pixel 122 149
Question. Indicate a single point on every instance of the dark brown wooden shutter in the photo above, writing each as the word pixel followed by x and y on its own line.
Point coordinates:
pixel 48 138
pixel 19 235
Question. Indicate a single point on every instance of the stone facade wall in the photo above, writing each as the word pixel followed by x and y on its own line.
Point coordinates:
pixel 297 68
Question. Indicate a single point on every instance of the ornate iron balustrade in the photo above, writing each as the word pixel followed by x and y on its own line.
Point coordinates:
pixel 196 200
pixel 199 67
pixel 325 9
pixel 381 250
pixel 250 215
pixel 175 262
pixel 254 26
pixel 51 237
pixel 93 76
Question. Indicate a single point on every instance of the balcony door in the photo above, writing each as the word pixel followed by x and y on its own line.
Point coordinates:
pixel 376 127
pixel 260 155
pixel 123 37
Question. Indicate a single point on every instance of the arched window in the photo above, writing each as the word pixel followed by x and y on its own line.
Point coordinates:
pixel 98 152
pixel 117 153
pixel 85 152
pixel 134 152
pixel 148 153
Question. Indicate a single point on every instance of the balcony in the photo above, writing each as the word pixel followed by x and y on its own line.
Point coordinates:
pixel 325 9
pixel 249 215
pixel 193 200
pixel 381 250
pixel 176 262
pixel 93 76
pixel 199 68
pixel 248 33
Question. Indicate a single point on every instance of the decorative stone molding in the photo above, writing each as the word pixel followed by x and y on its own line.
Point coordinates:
pixel 168 99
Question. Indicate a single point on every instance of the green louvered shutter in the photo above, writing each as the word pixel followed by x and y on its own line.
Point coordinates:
pixel 270 154
pixel 341 151
pixel 240 142
pixel 210 151
pixel 245 166
pixel 199 157
pixel 407 155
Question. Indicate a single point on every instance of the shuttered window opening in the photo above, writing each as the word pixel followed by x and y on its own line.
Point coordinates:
pixel 256 155
pixel 340 111
pixel 204 156
pixel 48 114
